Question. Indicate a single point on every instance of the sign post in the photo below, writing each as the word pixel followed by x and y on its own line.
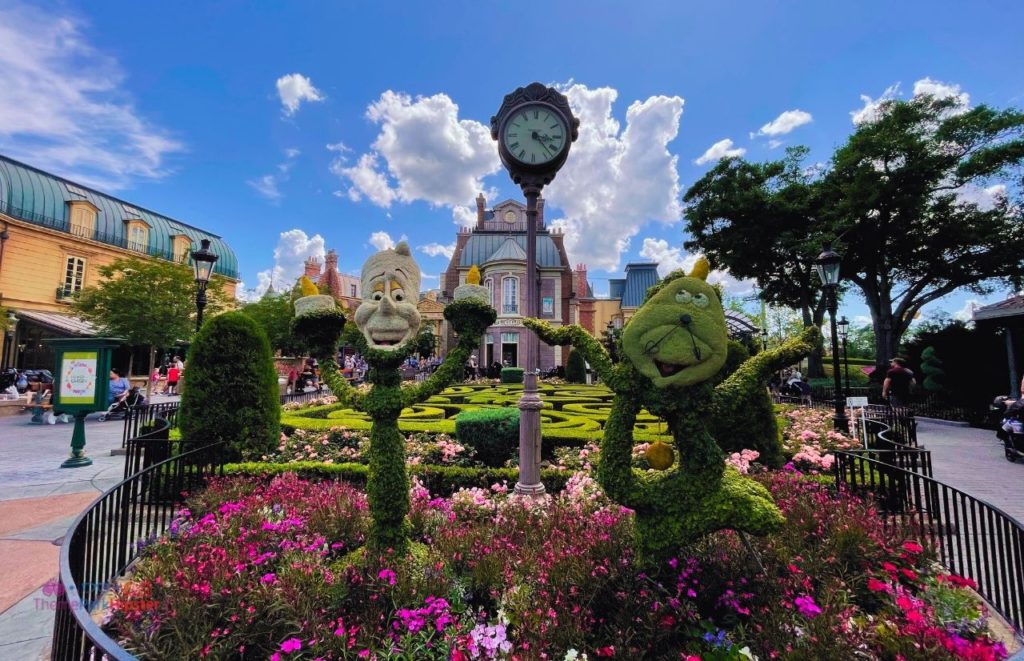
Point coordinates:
pixel 81 384
pixel 862 404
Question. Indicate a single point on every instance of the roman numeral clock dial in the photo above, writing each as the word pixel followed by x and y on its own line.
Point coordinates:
pixel 534 134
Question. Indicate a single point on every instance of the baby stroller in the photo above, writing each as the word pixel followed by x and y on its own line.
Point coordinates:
pixel 119 409
pixel 1011 432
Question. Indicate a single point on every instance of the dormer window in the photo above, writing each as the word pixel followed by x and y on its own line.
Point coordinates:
pixel 181 245
pixel 138 234
pixel 82 218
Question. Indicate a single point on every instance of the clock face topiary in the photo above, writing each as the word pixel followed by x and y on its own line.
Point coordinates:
pixel 678 337
pixel 387 316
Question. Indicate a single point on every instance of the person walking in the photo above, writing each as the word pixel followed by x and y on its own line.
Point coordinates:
pixel 173 374
pixel 898 382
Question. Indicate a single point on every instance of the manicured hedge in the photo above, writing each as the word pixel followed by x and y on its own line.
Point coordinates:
pixel 576 368
pixel 511 374
pixel 439 480
pixel 493 433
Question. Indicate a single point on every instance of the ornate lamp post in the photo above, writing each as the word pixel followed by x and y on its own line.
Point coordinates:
pixel 534 128
pixel 202 261
pixel 764 339
pixel 844 328
pixel 10 355
pixel 827 266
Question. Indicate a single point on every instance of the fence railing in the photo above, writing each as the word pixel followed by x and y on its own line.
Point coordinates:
pixel 107 537
pixel 303 397
pixel 139 417
pixel 970 537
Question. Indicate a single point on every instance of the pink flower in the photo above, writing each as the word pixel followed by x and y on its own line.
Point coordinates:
pixel 806 606
pixel 912 547
pixel 268 578
pixel 876 585
pixel 291 645
pixel 387 575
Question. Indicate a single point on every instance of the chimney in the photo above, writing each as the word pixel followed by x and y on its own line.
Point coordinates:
pixel 581 281
pixel 540 213
pixel 312 268
pixel 481 204
pixel 331 260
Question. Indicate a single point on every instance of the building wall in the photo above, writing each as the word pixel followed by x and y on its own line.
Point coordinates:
pixel 35 260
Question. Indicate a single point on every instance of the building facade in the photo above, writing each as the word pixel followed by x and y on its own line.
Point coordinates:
pixel 54 237
pixel 625 295
pixel 344 287
pixel 497 246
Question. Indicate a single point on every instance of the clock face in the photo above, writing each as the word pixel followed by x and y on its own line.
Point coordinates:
pixel 534 134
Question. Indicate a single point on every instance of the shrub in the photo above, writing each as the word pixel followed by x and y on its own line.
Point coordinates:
pixel 232 392
pixel 576 368
pixel 511 374
pixel 493 433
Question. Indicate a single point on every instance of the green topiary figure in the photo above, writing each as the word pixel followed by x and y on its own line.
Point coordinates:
pixel 576 367
pixel 232 393
pixel 389 322
pixel 674 347
pixel 934 375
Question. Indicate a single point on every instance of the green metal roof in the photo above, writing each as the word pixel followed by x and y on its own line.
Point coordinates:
pixel 639 278
pixel 482 246
pixel 510 251
pixel 38 197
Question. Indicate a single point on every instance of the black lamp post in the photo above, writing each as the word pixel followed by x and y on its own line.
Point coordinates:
pixel 827 266
pixel 9 357
pixel 202 261
pixel 764 339
pixel 844 329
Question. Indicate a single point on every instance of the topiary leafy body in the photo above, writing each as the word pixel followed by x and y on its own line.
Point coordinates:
pixel 576 367
pixel 674 348
pixel 232 393
pixel 387 483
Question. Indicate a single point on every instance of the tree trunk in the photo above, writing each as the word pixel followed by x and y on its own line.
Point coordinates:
pixel 815 359
pixel 149 376
pixel 886 342
pixel 131 361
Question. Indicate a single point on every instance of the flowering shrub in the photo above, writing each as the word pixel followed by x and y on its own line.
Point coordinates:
pixel 276 570
pixel 342 445
pixel 323 400
pixel 808 438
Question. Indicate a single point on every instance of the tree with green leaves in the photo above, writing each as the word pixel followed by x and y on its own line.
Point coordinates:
pixel 920 203
pixel 576 367
pixel 148 303
pixel 273 312
pixel 425 344
pixel 758 221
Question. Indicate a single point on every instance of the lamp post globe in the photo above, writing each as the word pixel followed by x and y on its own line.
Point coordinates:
pixel 202 263
pixel 534 129
pixel 827 266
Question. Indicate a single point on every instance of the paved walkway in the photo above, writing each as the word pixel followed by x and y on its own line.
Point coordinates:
pixel 972 461
pixel 38 501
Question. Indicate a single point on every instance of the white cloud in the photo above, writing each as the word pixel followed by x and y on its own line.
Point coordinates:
pixel 616 180
pixel 290 254
pixel 435 249
pixel 670 259
pixel 267 185
pixel 427 153
pixel 941 90
pixel 63 105
pixel 784 123
pixel 967 311
pixel 870 110
pixel 985 198
pixel 382 241
pixel 719 150
pixel 774 144
pixel 294 89
pixel 463 216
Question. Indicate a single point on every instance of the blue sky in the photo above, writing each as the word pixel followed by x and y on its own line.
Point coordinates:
pixel 289 127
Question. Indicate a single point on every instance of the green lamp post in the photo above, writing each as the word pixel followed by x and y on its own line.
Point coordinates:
pixel 81 384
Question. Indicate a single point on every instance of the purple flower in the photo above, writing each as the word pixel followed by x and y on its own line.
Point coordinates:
pixel 387 575
pixel 291 645
pixel 806 606
pixel 268 578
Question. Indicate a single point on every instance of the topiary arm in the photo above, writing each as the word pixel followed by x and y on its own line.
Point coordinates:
pixel 469 318
pixel 321 330
pixel 754 373
pixel 574 335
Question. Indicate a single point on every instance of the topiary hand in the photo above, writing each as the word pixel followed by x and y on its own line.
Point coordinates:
pixel 470 318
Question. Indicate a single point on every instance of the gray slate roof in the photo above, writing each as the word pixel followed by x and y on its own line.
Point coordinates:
pixel 510 251
pixel 480 247
pixel 639 278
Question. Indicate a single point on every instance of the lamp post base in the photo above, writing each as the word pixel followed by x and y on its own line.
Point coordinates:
pixel 530 405
pixel 78 458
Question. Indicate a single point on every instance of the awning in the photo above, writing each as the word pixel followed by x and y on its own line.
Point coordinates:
pixel 66 324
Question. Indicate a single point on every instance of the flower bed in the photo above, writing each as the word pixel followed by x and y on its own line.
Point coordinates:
pixel 272 569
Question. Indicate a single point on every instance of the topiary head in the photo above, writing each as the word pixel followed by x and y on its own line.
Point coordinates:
pixel 678 337
pixel 387 316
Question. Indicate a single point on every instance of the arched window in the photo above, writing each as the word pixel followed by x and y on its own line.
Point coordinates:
pixel 510 295
pixel 489 283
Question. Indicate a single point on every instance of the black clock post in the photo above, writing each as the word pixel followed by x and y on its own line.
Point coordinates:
pixel 534 128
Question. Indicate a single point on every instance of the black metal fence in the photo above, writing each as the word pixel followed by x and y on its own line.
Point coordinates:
pixel 138 418
pixel 303 397
pixel 970 537
pixel 107 537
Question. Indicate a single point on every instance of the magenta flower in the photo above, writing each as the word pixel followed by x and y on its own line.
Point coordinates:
pixel 291 645
pixel 806 606
pixel 387 575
